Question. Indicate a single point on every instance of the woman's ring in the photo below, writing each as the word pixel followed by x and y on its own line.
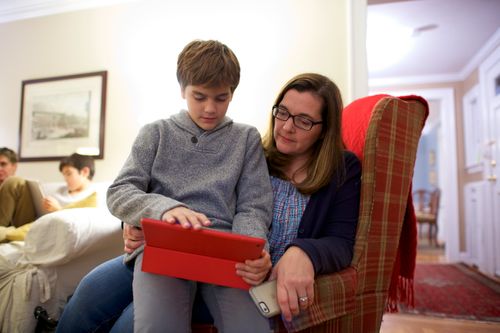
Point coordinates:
pixel 303 299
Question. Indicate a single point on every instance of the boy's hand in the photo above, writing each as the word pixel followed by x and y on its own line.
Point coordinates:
pixel 133 237
pixel 254 272
pixel 186 218
pixel 50 204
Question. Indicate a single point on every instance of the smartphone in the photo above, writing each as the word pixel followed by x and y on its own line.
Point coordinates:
pixel 264 296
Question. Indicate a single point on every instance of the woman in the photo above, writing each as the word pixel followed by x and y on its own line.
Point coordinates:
pixel 316 186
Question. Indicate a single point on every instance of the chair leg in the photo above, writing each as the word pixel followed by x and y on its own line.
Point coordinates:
pixel 430 233
pixel 435 235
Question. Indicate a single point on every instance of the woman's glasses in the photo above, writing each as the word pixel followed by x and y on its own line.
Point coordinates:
pixel 299 121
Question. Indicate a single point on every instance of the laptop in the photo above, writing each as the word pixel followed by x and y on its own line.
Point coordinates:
pixel 37 196
pixel 204 255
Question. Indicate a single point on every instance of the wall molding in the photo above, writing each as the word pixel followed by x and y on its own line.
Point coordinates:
pixel 472 65
pixel 26 9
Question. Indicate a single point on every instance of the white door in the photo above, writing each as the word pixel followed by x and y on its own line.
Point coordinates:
pixel 474 211
pixel 489 78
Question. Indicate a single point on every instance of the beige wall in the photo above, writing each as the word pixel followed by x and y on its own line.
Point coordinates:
pixel 138 42
pixel 468 84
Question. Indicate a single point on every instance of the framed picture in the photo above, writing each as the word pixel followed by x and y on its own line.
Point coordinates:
pixel 63 115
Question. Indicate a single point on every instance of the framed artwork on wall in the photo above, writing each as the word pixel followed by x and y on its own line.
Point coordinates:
pixel 63 115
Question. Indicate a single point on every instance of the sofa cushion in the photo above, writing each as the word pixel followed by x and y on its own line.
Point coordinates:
pixel 61 236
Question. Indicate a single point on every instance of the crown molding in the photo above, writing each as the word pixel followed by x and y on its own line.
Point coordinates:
pixel 20 10
pixel 412 80
pixel 472 65
pixel 482 54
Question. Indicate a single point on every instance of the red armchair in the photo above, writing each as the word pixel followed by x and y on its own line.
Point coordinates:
pixel 384 132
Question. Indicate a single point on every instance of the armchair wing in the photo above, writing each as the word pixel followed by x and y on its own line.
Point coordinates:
pixel 383 131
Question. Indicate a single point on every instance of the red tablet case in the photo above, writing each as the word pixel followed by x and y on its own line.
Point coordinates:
pixel 202 255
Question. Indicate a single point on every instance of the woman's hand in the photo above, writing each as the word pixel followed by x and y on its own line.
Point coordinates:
pixel 295 285
pixel 50 204
pixel 186 218
pixel 254 272
pixel 133 237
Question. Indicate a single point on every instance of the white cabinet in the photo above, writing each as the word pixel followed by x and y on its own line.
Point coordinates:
pixel 474 226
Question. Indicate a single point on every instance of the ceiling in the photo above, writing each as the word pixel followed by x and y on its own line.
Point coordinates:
pixel 448 34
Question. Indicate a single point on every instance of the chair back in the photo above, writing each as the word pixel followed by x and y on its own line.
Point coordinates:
pixel 384 132
pixel 427 209
pixel 427 201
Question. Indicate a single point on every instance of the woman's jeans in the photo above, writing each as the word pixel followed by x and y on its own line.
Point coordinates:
pixel 103 302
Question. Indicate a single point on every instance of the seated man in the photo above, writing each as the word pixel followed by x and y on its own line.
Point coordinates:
pixel 16 205
pixel 8 163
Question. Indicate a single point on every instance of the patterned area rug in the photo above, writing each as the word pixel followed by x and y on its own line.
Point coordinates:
pixel 455 291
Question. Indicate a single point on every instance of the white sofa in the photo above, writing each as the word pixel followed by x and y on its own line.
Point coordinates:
pixel 45 268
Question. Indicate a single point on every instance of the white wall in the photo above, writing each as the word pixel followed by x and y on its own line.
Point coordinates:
pixel 138 43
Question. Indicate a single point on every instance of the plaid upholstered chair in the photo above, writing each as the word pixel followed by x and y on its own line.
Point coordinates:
pixel 384 132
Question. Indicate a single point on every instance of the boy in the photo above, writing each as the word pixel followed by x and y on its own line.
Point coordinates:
pixel 197 168
pixel 16 204
pixel 78 171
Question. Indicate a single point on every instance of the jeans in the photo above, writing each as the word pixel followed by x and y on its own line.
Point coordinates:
pixel 164 304
pixel 102 302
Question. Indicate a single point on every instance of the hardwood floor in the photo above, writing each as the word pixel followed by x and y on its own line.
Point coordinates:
pixel 401 323
pixel 406 323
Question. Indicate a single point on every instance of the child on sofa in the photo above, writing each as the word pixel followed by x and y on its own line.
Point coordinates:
pixel 78 171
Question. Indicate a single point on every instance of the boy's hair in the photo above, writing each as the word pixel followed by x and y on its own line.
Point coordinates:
pixel 79 162
pixel 9 153
pixel 327 156
pixel 208 63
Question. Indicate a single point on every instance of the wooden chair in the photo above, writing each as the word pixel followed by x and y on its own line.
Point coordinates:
pixel 426 212
pixel 384 132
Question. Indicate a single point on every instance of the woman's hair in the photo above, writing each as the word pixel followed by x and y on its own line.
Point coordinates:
pixel 9 153
pixel 79 162
pixel 208 63
pixel 327 157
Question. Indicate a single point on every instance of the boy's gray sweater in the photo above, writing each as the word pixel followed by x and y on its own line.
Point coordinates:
pixel 221 173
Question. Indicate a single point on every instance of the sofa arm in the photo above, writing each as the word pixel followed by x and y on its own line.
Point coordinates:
pixel 59 237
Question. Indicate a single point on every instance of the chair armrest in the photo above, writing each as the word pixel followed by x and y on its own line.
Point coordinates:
pixel 334 296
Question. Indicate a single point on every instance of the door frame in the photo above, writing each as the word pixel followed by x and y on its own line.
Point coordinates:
pixel 490 261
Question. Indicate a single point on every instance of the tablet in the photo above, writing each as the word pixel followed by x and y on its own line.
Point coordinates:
pixel 204 255
pixel 37 196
